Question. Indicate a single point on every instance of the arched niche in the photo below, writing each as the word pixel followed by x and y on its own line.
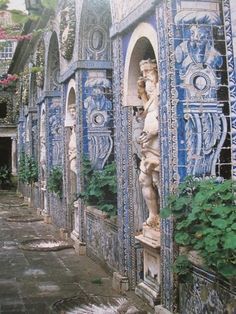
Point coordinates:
pixel 70 99
pixel 53 64
pixel 142 45
pixel 71 151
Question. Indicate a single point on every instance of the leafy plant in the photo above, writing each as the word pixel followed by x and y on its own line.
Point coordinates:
pixel 55 181
pixel 3 4
pixel 205 216
pixel 28 169
pixel 5 176
pixel 49 4
pixel 100 187
pixel 97 281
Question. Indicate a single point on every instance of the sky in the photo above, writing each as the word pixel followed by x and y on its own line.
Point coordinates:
pixel 17 5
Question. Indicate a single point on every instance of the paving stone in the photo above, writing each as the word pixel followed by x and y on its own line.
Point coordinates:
pixel 31 281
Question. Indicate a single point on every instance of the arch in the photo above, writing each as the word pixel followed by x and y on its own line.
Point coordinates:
pixel 142 45
pixel 70 99
pixel 53 64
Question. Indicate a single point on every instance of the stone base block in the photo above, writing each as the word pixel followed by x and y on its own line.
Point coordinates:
pixel 151 233
pixel 47 219
pixel 120 283
pixel 26 199
pixel 39 211
pixel 148 293
pixel 149 289
pixel 64 234
pixel 159 309
pixel 80 247
pixel 74 235
pixel 19 194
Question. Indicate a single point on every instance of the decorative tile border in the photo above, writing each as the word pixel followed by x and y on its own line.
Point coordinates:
pixel 232 80
pixel 168 135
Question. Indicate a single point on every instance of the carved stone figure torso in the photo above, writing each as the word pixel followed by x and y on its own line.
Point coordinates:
pixel 149 140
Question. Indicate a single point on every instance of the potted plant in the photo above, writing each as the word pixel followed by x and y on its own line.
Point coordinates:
pixel 204 212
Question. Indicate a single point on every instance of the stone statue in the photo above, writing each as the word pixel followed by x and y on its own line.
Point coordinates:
pixel 72 142
pixel 43 157
pixel 149 139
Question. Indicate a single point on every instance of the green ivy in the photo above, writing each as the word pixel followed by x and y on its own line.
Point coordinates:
pixel 205 221
pixel 100 187
pixel 3 4
pixel 49 4
pixel 5 177
pixel 55 181
pixel 28 169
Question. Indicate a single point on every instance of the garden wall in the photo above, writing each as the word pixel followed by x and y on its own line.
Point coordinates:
pixel 102 238
pixel 207 293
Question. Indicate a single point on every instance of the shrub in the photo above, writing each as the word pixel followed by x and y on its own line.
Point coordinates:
pixel 28 169
pixel 205 221
pixel 100 187
pixel 5 177
pixel 55 181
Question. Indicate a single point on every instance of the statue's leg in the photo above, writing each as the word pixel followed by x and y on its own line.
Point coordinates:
pixel 150 196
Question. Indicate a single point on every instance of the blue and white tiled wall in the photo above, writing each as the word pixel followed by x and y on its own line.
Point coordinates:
pixel 233 25
pixel 55 132
pixel 203 109
pixel 230 28
pixel 97 115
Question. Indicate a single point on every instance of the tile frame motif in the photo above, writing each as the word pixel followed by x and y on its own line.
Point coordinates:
pixel 120 123
pixel 168 133
pixel 231 80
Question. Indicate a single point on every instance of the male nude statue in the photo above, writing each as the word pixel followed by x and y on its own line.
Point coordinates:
pixel 72 142
pixel 149 140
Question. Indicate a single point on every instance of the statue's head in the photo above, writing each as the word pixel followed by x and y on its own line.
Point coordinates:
pixel 72 110
pixel 148 65
pixel 149 72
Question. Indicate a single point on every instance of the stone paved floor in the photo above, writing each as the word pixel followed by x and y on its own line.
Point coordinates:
pixel 31 281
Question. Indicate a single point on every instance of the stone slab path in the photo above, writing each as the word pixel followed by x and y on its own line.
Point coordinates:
pixel 47 282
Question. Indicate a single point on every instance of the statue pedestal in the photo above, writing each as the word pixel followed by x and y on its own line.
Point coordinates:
pixel 120 283
pixel 79 246
pixel 149 288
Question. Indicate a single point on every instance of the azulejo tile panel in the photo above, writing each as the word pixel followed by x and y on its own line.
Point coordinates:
pixel 202 295
pixel 230 33
pixel 200 69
